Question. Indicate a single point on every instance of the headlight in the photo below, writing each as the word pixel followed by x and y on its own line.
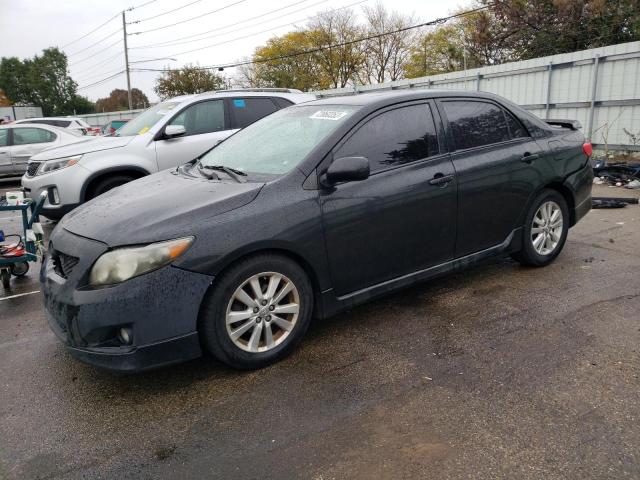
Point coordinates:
pixel 57 164
pixel 122 264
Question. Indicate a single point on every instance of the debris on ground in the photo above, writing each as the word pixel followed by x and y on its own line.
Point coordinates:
pixel 617 174
pixel 612 202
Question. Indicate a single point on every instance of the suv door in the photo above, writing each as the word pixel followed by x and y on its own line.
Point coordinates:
pixel 205 122
pixel 497 165
pixel 26 142
pixel 399 220
pixel 6 166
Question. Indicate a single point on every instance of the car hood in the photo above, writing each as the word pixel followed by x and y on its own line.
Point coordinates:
pixel 92 144
pixel 154 208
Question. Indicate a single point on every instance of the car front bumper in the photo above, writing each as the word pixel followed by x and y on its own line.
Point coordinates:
pixel 67 183
pixel 160 309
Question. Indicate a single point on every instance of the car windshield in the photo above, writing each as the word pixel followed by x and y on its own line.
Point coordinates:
pixel 280 141
pixel 147 119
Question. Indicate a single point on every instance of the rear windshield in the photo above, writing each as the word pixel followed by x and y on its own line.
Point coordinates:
pixel 147 119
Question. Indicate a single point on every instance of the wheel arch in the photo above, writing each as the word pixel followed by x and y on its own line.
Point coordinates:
pixel 289 253
pixel 568 196
pixel 132 170
pixel 559 186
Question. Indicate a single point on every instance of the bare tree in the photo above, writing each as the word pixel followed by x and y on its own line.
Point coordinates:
pixel 340 56
pixel 387 54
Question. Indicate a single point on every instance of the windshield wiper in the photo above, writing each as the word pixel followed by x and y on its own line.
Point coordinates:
pixel 208 176
pixel 237 175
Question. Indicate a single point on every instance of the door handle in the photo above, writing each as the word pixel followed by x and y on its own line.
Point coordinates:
pixel 529 157
pixel 441 180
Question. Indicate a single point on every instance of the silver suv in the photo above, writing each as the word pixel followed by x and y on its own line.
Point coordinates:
pixel 164 136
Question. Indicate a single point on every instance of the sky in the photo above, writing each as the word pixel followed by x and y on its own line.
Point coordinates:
pixel 207 32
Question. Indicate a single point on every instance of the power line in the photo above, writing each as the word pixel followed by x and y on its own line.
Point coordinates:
pixel 335 45
pixel 178 41
pixel 92 67
pixel 164 13
pixel 258 33
pixel 188 19
pixel 89 33
pixel 95 43
pixel 101 81
pixel 94 54
pixel 140 6
pixel 97 75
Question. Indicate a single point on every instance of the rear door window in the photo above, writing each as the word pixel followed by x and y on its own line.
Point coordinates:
pixel 27 136
pixel 4 137
pixel 475 124
pixel 393 138
pixel 248 110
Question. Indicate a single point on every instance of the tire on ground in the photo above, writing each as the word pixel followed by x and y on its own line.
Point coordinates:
pixel 212 321
pixel 527 255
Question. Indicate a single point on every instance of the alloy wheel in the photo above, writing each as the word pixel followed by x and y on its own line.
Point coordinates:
pixel 262 312
pixel 546 228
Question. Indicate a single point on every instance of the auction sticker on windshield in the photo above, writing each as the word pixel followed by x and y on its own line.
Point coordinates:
pixel 329 114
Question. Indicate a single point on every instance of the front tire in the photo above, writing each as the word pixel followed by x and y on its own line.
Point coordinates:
pixel 108 183
pixel 545 230
pixel 257 313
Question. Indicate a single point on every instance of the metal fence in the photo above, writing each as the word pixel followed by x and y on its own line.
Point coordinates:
pixel 99 119
pixel 599 87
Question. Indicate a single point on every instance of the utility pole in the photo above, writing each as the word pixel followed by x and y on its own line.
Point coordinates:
pixel 126 59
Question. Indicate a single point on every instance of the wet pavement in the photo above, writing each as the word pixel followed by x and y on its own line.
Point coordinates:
pixel 496 372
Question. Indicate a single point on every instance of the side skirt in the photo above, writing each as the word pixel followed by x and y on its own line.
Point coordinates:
pixel 333 305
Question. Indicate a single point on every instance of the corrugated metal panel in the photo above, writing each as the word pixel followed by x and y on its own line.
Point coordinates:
pixel 571 87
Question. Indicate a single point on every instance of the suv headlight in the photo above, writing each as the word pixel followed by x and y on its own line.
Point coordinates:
pixel 122 264
pixel 57 164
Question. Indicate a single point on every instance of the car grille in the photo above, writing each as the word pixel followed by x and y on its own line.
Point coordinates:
pixel 63 264
pixel 32 168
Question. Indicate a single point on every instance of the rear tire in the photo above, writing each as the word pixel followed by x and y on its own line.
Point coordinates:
pixel 105 184
pixel 545 230
pixel 249 330
pixel 20 269
pixel 5 278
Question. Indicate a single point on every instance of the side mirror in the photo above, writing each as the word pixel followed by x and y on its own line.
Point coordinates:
pixel 346 169
pixel 172 131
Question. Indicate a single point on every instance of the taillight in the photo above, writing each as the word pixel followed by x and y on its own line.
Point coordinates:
pixel 587 149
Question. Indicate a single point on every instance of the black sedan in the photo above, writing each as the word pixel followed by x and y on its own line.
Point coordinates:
pixel 307 212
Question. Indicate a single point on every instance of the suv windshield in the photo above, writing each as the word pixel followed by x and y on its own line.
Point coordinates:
pixel 147 119
pixel 277 143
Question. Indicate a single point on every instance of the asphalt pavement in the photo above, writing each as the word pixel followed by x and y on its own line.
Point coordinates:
pixel 496 372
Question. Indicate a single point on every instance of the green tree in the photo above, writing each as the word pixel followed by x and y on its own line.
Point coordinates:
pixel 118 100
pixel 285 71
pixel 13 78
pixel 438 51
pixel 49 84
pixel 42 80
pixel 187 80
pixel 82 105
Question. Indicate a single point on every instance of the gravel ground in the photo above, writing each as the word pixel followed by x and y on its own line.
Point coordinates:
pixel 496 372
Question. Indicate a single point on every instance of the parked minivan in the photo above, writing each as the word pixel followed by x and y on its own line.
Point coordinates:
pixel 163 136
pixel 305 213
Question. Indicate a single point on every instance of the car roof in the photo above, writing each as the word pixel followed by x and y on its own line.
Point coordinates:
pixel 383 98
pixel 52 128
pixel 294 95
pixel 22 120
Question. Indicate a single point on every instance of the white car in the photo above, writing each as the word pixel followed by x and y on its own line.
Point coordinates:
pixel 164 136
pixel 18 142
pixel 71 123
